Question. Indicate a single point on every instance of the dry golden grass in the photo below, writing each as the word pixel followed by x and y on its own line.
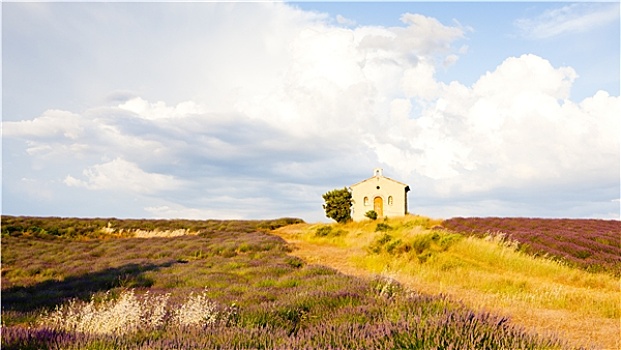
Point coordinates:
pixel 538 294
pixel 163 233
pixel 138 233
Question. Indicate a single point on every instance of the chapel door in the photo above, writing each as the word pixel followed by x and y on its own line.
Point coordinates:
pixel 378 206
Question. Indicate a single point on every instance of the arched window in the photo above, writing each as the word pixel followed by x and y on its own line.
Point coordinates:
pixel 366 200
pixel 389 200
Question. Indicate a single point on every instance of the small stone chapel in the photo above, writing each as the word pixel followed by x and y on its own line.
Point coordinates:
pixel 388 197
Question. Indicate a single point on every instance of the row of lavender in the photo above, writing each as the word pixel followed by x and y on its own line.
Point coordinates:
pixel 228 290
pixel 84 227
pixel 445 329
pixel 594 245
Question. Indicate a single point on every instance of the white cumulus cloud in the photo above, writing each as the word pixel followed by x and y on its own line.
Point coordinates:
pixel 52 123
pixel 119 174
pixel 514 126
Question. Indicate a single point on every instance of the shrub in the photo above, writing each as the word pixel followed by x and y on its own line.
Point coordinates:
pixel 371 214
pixel 294 262
pixel 378 244
pixel 382 226
pixel 421 245
pixel 325 231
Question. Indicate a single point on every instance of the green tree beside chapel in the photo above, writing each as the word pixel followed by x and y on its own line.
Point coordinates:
pixel 338 205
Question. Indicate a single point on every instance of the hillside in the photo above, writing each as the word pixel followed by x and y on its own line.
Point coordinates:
pixel 114 284
pixel 590 244
pixel 484 271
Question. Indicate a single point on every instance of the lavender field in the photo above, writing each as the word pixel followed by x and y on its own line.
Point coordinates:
pixel 227 285
pixel 593 245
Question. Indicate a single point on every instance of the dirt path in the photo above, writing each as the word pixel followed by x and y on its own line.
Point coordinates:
pixel 595 333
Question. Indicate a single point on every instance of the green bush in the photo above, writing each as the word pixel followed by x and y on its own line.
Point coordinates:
pixel 379 243
pixel 371 214
pixel 422 245
pixel 382 226
pixel 325 231
pixel 294 262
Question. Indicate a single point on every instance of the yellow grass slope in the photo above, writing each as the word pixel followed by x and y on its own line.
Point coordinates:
pixel 488 274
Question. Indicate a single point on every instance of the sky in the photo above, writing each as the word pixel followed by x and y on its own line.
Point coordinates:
pixel 253 110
